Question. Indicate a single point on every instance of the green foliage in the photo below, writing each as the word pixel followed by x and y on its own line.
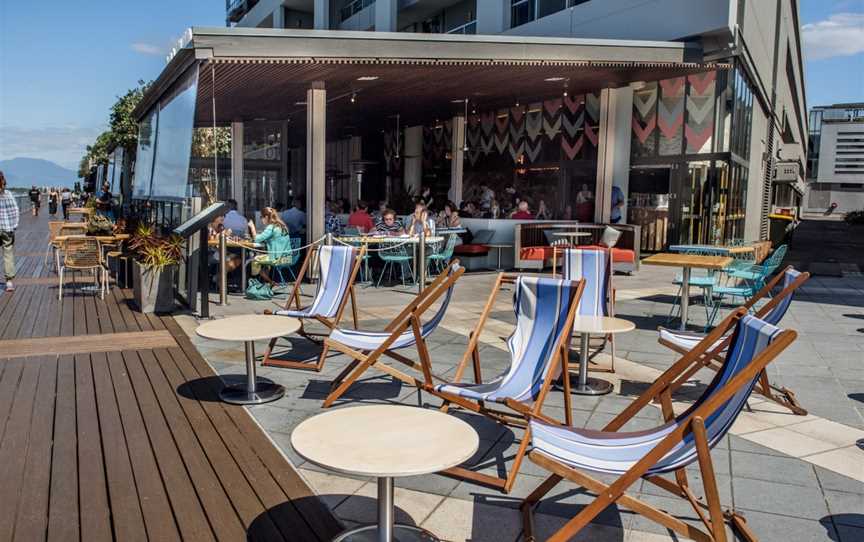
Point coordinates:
pixel 203 141
pixel 122 131
pixel 155 251
pixel 855 217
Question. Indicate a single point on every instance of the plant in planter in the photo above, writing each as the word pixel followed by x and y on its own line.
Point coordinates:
pixel 154 268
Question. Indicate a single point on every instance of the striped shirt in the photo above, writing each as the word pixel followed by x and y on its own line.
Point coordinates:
pixel 8 211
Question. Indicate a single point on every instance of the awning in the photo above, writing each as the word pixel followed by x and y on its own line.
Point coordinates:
pixel 259 74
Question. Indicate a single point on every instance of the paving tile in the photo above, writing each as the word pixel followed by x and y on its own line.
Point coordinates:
pixel 846 461
pixel 332 489
pixel 784 470
pixel 780 528
pixel 458 520
pixel 846 508
pixel 546 525
pixel 789 442
pixel 831 480
pixel 412 507
pixel 827 431
pixel 775 498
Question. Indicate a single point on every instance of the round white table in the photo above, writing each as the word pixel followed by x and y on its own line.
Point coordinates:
pixel 247 329
pixel 595 325
pixel 385 441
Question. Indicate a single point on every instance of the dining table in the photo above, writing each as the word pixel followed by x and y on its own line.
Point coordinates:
pixel 573 236
pixel 243 245
pixel 419 249
pixel 688 262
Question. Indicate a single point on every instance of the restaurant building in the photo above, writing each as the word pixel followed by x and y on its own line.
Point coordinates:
pixel 687 112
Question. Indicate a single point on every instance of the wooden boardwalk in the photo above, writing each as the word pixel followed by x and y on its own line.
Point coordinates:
pixel 111 428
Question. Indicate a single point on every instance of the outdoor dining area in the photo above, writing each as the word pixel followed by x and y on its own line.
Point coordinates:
pixel 530 391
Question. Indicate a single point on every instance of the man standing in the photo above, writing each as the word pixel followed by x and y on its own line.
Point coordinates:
pixel 617 205
pixel 8 224
pixel 35 199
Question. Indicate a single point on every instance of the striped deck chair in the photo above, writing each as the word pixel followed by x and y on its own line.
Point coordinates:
pixel 772 312
pixel 684 439
pixel 598 299
pixel 406 330
pixel 337 269
pixel 539 345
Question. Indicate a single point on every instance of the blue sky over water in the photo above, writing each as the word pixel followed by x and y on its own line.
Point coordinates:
pixel 62 64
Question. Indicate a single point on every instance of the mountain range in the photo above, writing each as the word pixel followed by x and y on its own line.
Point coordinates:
pixel 23 172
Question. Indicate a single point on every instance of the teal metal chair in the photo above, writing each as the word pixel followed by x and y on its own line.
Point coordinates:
pixel 396 255
pixel 286 259
pixel 441 254
pixel 757 273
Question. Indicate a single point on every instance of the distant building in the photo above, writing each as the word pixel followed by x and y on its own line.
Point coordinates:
pixel 835 162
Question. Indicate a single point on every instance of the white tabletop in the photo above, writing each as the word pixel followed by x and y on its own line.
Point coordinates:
pixel 248 327
pixel 601 325
pixel 385 440
pixel 571 233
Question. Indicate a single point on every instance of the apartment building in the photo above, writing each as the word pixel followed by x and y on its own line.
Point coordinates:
pixel 835 163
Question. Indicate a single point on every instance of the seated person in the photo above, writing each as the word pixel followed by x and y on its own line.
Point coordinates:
pixel 419 221
pixel 236 224
pixel 277 239
pixel 389 225
pixel 449 217
pixel 522 212
pixel 232 261
pixel 360 218
pixel 294 218
pixel 332 224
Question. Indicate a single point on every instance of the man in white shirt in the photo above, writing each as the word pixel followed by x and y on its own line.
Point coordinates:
pixel 9 215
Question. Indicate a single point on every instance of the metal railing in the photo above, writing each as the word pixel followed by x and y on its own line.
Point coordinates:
pixel 468 28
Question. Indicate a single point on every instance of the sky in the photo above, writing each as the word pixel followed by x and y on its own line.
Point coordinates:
pixel 63 64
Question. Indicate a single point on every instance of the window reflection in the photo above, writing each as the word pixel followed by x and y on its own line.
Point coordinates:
pixel 174 140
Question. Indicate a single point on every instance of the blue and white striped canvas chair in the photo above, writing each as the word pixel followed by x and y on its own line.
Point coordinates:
pixel 337 269
pixel 684 439
pixel 595 266
pixel 772 312
pixel 545 308
pixel 366 347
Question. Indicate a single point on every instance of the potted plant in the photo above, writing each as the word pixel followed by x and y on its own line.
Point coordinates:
pixel 156 258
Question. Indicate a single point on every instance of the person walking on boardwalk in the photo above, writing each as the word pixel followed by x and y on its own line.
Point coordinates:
pixel 8 224
pixel 35 199
pixel 53 199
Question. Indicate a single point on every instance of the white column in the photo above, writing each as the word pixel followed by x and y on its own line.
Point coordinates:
pixel 237 164
pixel 279 16
pixel 322 14
pixel 386 15
pixel 316 144
pixel 493 16
pixel 457 162
pixel 613 149
pixel 356 153
pixel 413 158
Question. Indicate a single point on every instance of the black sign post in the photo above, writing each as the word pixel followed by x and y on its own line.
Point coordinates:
pixel 198 224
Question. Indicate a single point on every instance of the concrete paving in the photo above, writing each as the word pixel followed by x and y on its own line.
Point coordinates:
pixel 793 477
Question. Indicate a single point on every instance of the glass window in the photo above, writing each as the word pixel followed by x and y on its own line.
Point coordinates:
pixel 521 12
pixel 174 137
pixel 144 155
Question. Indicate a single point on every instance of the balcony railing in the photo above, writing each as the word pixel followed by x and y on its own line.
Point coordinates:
pixel 468 28
pixel 355 7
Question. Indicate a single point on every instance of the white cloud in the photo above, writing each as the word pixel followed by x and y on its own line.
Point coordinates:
pixel 64 144
pixel 147 48
pixel 841 34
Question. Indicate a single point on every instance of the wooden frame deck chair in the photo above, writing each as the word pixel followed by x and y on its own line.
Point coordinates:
pixel 406 330
pixel 337 269
pixel 772 312
pixel 684 439
pixel 539 346
pixel 598 299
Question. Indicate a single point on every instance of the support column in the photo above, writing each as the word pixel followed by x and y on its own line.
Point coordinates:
pixel 322 15
pixel 355 155
pixel 316 144
pixel 386 15
pixel 279 16
pixel 237 164
pixel 413 156
pixel 613 150
pixel 457 162
pixel 493 16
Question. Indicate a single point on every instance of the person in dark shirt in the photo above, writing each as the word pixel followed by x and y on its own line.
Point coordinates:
pixel 389 225
pixel 35 199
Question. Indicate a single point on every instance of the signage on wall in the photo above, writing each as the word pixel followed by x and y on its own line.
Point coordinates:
pixel 788 171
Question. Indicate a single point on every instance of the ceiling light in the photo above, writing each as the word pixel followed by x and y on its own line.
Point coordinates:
pixel 367 78
pixel 554 79
pixel 299 103
pixel 353 97
pixel 458 101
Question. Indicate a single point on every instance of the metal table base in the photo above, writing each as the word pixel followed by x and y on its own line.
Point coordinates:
pixel 254 391
pixel 585 385
pixel 386 530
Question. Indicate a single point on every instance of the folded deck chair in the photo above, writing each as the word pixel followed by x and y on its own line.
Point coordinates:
pixel 406 330
pixel 598 299
pixel 545 308
pixel 337 269
pixel 772 312
pixel 684 439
